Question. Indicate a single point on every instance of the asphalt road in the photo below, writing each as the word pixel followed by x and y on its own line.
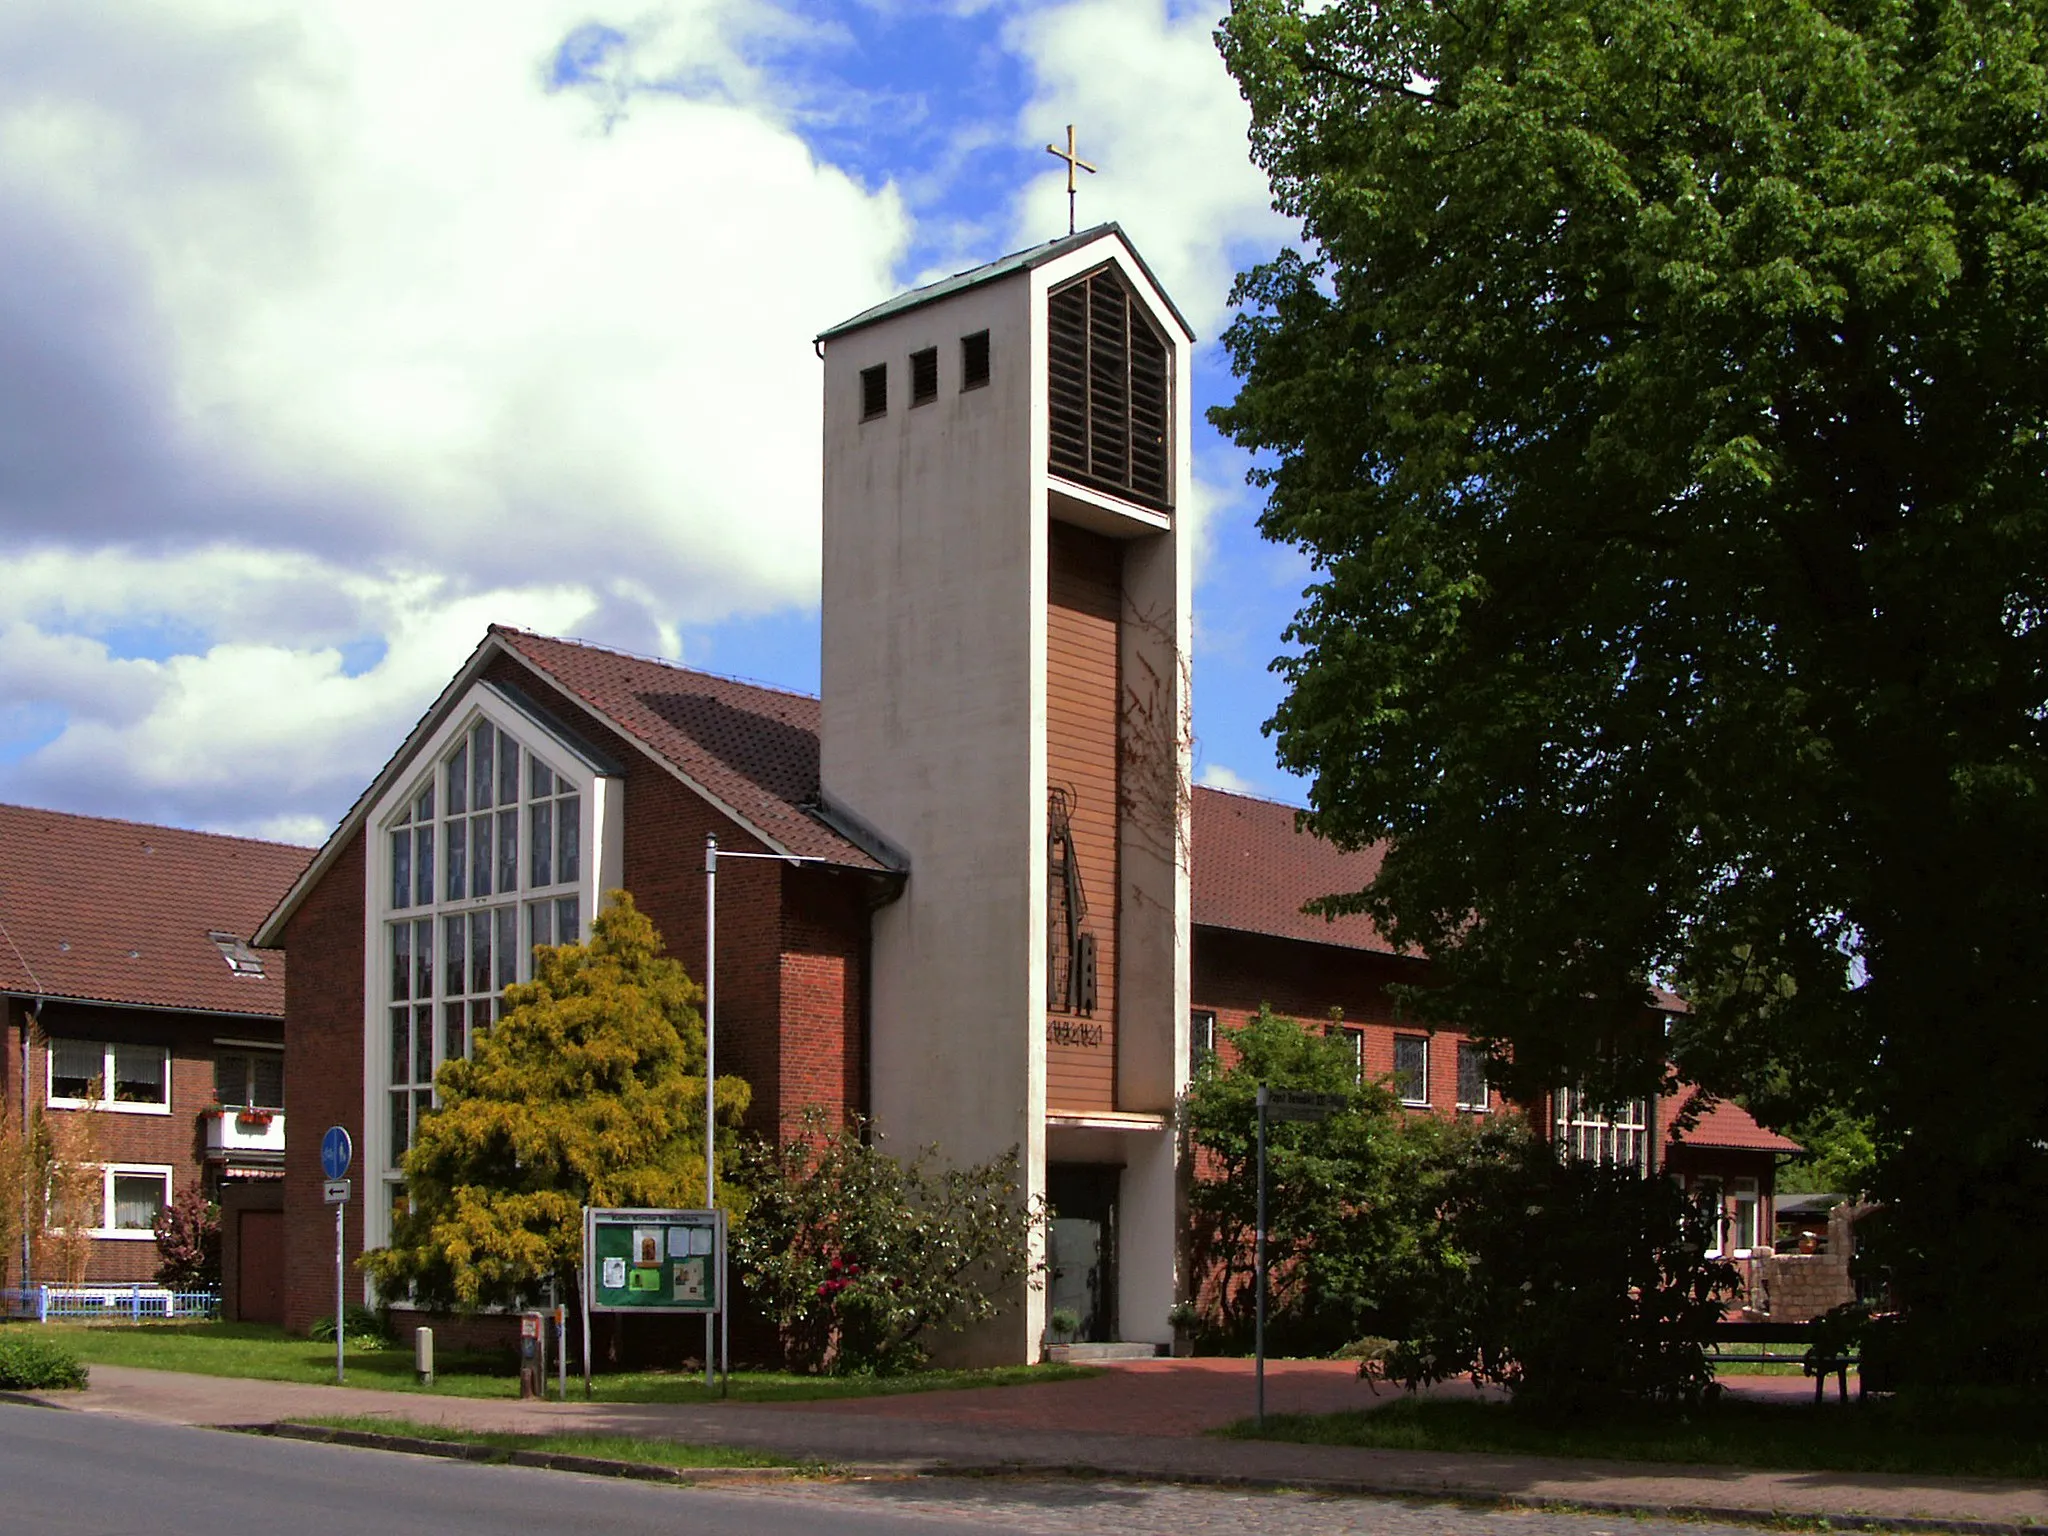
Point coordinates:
pixel 83 1474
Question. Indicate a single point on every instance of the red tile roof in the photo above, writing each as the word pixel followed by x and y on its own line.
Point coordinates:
pixel 119 911
pixel 1253 872
pixel 1724 1124
pixel 753 749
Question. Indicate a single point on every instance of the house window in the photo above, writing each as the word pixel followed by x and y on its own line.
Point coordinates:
pixel 974 360
pixel 1706 1197
pixel 924 376
pixel 249 1079
pixel 101 1074
pixel 1742 1216
pixel 1593 1133
pixel 1472 1090
pixel 132 1196
pixel 1201 1038
pixel 508 828
pixel 1411 1068
pixel 874 392
pixel 1110 390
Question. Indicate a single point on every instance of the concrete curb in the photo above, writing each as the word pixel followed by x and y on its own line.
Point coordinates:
pixel 553 1461
pixel 1733 1514
pixel 30 1400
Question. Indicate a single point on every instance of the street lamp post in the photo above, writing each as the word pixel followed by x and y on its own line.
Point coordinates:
pixel 711 857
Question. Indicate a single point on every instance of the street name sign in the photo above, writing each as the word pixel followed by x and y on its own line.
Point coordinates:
pixel 1289 1104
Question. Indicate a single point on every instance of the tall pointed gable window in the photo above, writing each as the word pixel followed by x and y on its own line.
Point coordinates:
pixel 1110 387
pixel 486 857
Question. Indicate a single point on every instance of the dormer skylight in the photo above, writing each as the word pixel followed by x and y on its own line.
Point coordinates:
pixel 241 959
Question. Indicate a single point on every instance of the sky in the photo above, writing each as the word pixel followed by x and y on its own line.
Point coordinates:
pixel 332 331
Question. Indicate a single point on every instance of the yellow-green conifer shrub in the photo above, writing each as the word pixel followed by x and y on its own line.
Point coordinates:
pixel 588 1091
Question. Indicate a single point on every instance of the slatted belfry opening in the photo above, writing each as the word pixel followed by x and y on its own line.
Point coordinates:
pixel 1110 387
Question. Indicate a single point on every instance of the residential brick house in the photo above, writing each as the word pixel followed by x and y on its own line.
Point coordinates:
pixel 132 994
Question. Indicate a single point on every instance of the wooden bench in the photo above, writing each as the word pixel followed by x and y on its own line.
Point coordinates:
pixel 1759 1336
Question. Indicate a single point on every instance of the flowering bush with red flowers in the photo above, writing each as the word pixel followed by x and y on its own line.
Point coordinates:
pixel 860 1257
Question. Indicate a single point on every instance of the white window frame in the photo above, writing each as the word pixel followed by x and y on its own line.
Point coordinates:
pixel 1575 1119
pixel 106 1101
pixel 1201 1032
pixel 1709 1192
pixel 600 835
pixel 106 1229
pixel 1423 1101
pixel 1485 1100
pixel 1353 1035
pixel 1740 1192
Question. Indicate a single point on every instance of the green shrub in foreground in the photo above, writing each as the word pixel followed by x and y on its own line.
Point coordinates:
pixel 30 1364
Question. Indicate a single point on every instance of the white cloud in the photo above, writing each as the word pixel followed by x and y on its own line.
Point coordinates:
pixel 1155 109
pixel 1216 776
pixel 352 279
pixel 337 329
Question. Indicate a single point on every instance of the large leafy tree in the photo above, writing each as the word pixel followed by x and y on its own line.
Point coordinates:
pixel 588 1091
pixel 1659 389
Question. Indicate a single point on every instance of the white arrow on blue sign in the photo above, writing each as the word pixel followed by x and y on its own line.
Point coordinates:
pixel 336 1152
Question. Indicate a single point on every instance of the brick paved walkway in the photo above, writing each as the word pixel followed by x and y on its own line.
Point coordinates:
pixel 1137 1421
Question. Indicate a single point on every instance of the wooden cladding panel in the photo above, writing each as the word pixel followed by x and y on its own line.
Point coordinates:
pixel 1084 604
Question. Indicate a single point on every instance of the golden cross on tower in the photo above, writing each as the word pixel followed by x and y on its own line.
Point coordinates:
pixel 1074 163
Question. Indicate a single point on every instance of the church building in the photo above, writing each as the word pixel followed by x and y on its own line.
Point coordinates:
pixel 998 914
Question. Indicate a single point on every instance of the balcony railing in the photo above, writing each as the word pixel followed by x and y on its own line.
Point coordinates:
pixel 245 1132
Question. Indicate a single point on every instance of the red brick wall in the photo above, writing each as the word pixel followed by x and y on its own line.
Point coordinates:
pixel 323 1077
pixel 1236 972
pixel 823 972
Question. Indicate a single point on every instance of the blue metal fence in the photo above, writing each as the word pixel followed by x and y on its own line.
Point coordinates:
pixel 107 1303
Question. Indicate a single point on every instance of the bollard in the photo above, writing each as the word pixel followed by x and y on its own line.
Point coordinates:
pixel 423 1355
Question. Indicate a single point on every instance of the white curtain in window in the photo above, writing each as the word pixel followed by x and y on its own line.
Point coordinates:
pixel 73 1066
pixel 138 1197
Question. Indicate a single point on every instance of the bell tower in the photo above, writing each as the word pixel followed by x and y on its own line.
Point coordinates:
pixel 1006 605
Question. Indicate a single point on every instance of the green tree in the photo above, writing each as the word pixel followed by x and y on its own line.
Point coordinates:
pixel 1574 1285
pixel 588 1091
pixel 1659 393
pixel 860 1257
pixel 1351 1200
pixel 1838 1159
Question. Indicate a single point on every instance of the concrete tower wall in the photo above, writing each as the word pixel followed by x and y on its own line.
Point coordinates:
pixel 935 734
pixel 934 726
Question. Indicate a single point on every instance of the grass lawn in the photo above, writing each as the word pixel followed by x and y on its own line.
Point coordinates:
pixel 263 1353
pixel 1976 1438
pixel 662 1453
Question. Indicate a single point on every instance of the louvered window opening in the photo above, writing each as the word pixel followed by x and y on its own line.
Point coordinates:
pixel 1109 390
pixel 924 376
pixel 974 360
pixel 874 392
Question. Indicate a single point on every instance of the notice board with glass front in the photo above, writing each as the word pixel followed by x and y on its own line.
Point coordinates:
pixel 653 1261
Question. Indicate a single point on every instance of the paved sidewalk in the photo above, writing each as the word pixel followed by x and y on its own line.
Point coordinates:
pixel 1085 1426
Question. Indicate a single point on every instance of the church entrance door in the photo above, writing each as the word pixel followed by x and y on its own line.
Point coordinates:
pixel 1083 1243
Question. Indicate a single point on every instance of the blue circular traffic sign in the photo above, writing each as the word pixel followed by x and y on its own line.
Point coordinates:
pixel 336 1152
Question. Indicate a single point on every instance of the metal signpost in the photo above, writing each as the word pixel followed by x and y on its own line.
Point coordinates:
pixel 652 1261
pixel 336 1153
pixel 712 854
pixel 1277 1104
